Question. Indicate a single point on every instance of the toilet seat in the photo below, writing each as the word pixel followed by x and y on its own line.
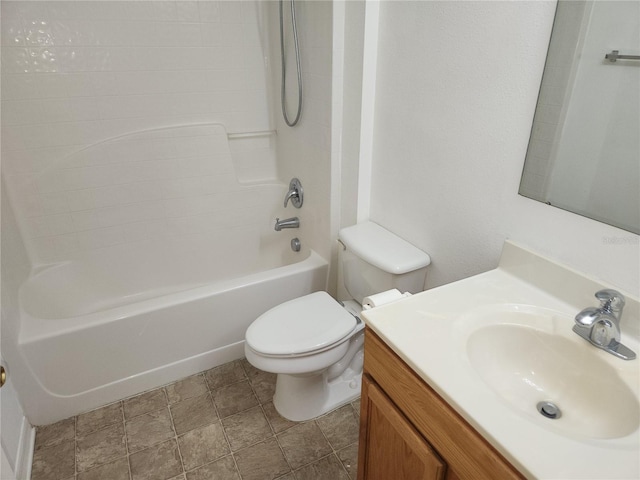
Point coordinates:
pixel 305 325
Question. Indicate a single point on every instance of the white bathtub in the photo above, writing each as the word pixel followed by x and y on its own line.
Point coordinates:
pixel 122 320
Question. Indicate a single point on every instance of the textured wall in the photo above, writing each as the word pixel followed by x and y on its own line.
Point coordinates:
pixel 457 87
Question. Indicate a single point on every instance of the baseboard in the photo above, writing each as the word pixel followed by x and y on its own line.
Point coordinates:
pixel 26 448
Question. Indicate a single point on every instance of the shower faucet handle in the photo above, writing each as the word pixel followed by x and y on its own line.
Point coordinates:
pixel 294 194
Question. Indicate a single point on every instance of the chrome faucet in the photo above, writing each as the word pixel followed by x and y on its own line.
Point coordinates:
pixel 293 222
pixel 601 325
pixel 295 193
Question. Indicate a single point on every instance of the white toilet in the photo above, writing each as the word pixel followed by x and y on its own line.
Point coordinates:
pixel 315 344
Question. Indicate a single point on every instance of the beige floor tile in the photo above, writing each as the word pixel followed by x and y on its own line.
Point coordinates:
pixel 249 369
pixel 187 388
pixel 234 398
pixel 238 410
pixel 340 427
pixel 53 434
pixel 303 444
pixel 160 462
pixel 324 469
pixel 277 421
pixel 145 403
pixel 225 375
pixel 55 462
pixel 223 469
pixel 118 470
pixel 203 445
pixel 149 429
pixel 100 447
pixel 356 406
pixel 349 458
pixel 98 418
pixel 264 385
pixel 246 428
pixel 263 461
pixel 193 413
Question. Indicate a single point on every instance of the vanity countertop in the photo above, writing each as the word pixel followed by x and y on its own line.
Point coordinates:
pixel 430 331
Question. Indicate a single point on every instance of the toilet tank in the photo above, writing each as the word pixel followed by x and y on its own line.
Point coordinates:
pixel 374 260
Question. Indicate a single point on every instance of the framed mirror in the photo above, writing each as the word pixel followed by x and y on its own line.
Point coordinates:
pixel 584 149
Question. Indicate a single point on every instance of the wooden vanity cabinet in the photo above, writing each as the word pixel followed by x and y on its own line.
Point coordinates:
pixel 408 432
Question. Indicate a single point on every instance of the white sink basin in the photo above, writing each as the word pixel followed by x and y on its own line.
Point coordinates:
pixel 496 344
pixel 522 355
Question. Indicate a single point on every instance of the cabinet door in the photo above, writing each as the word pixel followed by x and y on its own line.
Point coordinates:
pixel 390 447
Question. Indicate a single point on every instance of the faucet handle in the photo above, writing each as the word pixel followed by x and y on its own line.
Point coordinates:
pixel 294 194
pixel 610 300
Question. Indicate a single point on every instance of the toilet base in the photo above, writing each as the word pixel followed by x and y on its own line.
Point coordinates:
pixel 300 398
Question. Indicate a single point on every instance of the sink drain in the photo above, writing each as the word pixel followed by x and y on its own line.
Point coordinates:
pixel 549 410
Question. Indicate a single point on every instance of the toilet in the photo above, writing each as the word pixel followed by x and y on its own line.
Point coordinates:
pixel 314 343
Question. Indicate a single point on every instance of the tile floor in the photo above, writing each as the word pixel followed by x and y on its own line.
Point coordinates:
pixel 219 424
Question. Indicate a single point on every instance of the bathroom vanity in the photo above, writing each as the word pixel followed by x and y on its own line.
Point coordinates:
pixel 454 379
pixel 408 431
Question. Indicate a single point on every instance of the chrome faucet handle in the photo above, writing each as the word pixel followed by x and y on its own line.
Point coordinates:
pixel 291 194
pixel 600 326
pixel 294 194
pixel 611 301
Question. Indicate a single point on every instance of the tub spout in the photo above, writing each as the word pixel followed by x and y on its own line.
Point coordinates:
pixel 293 222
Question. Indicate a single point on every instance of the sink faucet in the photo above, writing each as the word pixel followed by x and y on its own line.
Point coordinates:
pixel 293 222
pixel 601 325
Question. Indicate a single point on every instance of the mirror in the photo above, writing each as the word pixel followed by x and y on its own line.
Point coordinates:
pixel 584 150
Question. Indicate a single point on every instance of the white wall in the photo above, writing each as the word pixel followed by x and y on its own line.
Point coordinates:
pixel 456 90
pixel 352 106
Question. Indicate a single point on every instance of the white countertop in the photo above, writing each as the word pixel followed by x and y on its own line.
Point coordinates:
pixel 429 331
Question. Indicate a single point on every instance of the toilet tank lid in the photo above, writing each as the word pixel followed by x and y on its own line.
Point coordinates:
pixel 383 249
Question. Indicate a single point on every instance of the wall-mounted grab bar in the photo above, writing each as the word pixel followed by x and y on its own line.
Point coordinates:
pixel 615 55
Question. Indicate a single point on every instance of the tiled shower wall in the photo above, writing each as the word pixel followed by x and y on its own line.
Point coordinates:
pixel 78 73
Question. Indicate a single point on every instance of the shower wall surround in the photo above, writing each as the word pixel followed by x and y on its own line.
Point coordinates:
pixel 305 151
pixel 75 74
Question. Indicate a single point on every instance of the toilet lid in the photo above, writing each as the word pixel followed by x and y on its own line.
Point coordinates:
pixel 302 325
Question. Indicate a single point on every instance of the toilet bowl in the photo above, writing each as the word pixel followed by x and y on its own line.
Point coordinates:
pixel 314 343
pixel 315 346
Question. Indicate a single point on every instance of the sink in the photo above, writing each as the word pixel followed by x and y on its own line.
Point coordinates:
pixel 529 356
pixel 497 344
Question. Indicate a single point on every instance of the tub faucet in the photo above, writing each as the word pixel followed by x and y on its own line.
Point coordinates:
pixel 293 222
pixel 601 325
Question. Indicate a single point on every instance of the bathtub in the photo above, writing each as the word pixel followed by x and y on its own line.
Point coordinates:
pixel 119 321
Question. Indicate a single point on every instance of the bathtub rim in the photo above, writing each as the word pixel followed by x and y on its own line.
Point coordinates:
pixel 33 329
